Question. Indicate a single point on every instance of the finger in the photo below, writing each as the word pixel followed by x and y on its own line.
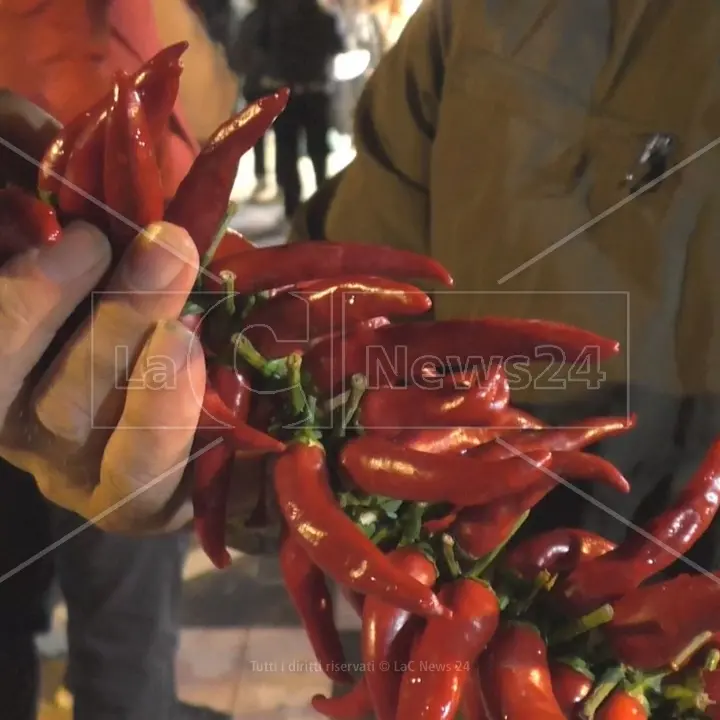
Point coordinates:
pixel 84 390
pixel 145 457
pixel 38 291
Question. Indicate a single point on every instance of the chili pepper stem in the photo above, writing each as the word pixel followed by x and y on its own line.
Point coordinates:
pixel 245 349
pixel 228 279
pixel 412 523
pixel 543 582
pixel 684 655
pixel 297 394
pixel 608 682
pixel 449 554
pixel 357 390
pixel 483 565
pixel 583 625
pixel 230 213
pixel 712 661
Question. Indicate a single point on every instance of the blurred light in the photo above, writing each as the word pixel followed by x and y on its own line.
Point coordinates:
pixel 410 7
pixel 351 65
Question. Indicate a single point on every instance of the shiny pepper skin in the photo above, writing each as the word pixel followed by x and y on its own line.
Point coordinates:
pixel 570 685
pixel 516 669
pixel 582 435
pixel 308 590
pixel 132 185
pixel 652 625
pixel 292 319
pixel 385 635
pixel 201 200
pixel 380 467
pixel 622 706
pixel 332 540
pixel 641 556
pixel 444 655
pixel 557 551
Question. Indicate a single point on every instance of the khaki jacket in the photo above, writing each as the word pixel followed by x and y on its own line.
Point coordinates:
pixel 498 136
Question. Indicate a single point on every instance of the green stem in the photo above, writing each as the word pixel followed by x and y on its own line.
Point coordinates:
pixel 232 210
pixel 608 682
pixel 228 279
pixel 583 625
pixel 482 566
pixel 357 390
pixel 543 582
pixel 244 348
pixel 712 660
pixel 449 554
pixel 412 521
pixel 297 394
pixel 686 653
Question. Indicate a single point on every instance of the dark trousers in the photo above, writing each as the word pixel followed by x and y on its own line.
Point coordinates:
pixel 307 113
pixel 123 598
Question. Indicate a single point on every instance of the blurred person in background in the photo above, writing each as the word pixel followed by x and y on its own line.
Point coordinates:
pixel 300 40
pixel 248 58
pixel 122 593
pixel 559 159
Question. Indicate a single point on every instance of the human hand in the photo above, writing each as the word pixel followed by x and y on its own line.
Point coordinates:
pixel 107 430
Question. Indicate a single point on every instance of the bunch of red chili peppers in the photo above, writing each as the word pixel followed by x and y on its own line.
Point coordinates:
pixel 304 419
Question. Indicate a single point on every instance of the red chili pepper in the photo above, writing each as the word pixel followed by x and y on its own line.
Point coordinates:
pixel 572 682
pixel 473 705
pixel 516 668
pixel 80 192
pixel 653 625
pixel 441 524
pixel 380 467
pixel 459 439
pixel 233 243
pixel 557 551
pixel 582 435
pixel 314 309
pixel 622 706
pixel 386 636
pixel 25 222
pixel 364 326
pixel 132 186
pixel 212 475
pixel 390 410
pixel 216 417
pixel 331 539
pixel 639 557
pixel 354 705
pixel 440 664
pixel 479 530
pixel 400 352
pixel 284 265
pixel 201 201
pixel 233 386
pixel 156 82
pixel 306 585
pixel 578 465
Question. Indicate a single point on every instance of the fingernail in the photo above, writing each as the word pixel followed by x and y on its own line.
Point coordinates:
pixel 172 342
pixel 81 249
pixel 157 256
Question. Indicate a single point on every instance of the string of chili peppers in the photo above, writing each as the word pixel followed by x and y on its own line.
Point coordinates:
pixel 324 438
